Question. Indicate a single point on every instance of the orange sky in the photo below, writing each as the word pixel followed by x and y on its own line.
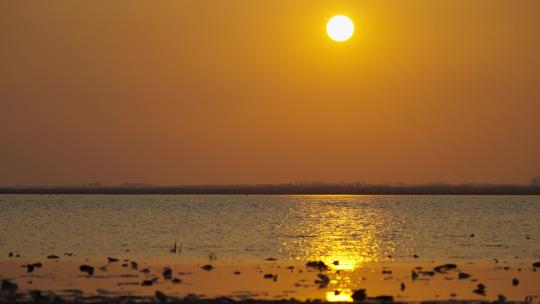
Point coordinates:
pixel 201 91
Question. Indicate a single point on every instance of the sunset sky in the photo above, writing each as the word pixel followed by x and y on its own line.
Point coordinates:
pixel 243 91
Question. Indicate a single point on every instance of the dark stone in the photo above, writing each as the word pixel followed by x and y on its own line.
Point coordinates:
pixel 10 254
pixel 414 275
pixel 359 295
pixel 537 264
pixel 428 273
pixel 480 289
pixel 147 283
pixel 415 256
pixel 387 272
pixel 208 267
pixel 336 263
pixel 112 260
pixel 515 282
pixel 145 270
pixel 402 286
pixel 37 265
pixel 88 269
pixel 37 296
pixel 320 265
pixel 236 273
pixel 384 299
pixel 271 259
pixel 9 286
pixel 162 298
pixel 176 280
pixel 323 280
pixel 463 276
pixel 134 265
pixel 167 273
pixel 268 276
pixel 53 257
pixel 445 267
pixel 125 265
pixel 472 234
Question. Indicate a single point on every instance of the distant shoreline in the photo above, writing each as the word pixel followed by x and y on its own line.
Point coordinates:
pixel 285 189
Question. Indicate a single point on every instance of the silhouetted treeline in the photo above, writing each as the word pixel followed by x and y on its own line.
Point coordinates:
pixel 432 189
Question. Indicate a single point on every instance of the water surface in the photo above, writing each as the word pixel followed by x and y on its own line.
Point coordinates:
pixel 352 229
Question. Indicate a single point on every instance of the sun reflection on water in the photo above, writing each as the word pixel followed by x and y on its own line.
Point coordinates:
pixel 343 236
pixel 332 230
pixel 339 296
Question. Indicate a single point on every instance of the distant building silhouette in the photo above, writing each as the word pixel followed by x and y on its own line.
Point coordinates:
pixel 535 181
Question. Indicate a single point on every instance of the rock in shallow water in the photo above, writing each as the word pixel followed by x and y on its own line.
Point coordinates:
pixel 162 298
pixel 208 267
pixel 320 265
pixel 463 276
pixel 9 286
pixel 88 269
pixel 167 273
pixel 445 267
pixel 359 295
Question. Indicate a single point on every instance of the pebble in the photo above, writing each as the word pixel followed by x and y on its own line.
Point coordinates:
pixel 323 280
pixel 208 267
pixel 463 276
pixel 480 289
pixel 445 267
pixel 167 273
pixel 317 264
pixel 9 286
pixel 359 295
pixel 162 298
pixel 88 269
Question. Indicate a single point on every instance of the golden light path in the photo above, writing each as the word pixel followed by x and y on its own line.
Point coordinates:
pixel 344 238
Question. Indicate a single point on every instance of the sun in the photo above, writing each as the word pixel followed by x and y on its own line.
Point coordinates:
pixel 340 28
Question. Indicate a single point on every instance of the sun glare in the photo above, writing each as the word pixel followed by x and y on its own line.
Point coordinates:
pixel 340 28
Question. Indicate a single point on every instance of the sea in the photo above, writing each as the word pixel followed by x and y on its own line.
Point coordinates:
pixel 353 229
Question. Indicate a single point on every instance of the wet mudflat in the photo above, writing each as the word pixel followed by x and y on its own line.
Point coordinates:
pixel 119 280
